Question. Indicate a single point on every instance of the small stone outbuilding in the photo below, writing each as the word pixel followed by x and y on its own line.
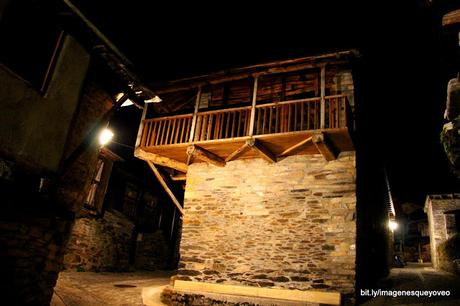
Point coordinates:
pixel 443 212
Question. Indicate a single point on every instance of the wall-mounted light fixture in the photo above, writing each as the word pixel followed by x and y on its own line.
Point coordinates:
pixel 392 225
pixel 155 99
pixel 105 136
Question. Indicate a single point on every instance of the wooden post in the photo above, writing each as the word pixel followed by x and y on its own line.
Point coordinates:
pixel 323 94
pixel 141 125
pixel 197 104
pixel 263 151
pixel 253 109
pixel 324 146
pixel 172 224
pixel 165 186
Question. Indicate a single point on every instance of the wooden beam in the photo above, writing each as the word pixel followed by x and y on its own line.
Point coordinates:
pixel 296 146
pixel 323 99
pixel 190 157
pixel 197 104
pixel 309 296
pixel 97 32
pixel 263 151
pixel 253 107
pixel 205 156
pixel 160 160
pixel 165 186
pixel 324 146
pixel 179 177
pixel 141 125
pixel 237 153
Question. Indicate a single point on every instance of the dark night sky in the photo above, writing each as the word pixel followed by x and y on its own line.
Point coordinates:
pixel 403 84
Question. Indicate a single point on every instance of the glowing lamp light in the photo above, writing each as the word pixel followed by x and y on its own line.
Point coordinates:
pixel 105 136
pixel 392 225
pixel 155 99
pixel 128 102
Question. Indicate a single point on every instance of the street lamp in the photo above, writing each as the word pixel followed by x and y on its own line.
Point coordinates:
pixel 105 136
pixel 392 225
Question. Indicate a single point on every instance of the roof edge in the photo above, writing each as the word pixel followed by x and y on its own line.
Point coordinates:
pixel 254 70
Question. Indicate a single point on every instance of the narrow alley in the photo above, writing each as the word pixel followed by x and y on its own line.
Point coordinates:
pixel 418 277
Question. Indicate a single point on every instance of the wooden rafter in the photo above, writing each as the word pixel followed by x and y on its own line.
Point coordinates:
pixel 194 151
pixel 262 150
pixel 165 186
pixel 238 152
pixel 160 160
pixel 296 146
pixel 179 177
pixel 324 146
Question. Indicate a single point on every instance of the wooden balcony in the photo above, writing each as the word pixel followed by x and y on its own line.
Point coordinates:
pixel 271 131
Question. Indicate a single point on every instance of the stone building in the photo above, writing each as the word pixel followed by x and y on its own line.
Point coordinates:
pixel 125 224
pixel 412 238
pixel 282 200
pixel 444 225
pixel 53 103
pixel 271 206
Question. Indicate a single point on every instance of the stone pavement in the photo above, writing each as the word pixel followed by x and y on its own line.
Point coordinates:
pixel 101 289
pixel 418 277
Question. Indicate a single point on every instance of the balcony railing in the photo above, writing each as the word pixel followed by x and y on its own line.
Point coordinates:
pixel 271 118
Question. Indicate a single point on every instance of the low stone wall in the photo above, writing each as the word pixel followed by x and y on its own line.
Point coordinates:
pixel 449 255
pixel 100 244
pixel 290 224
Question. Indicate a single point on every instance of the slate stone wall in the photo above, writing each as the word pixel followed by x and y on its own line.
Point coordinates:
pixel 152 252
pixel 100 244
pixel 441 226
pixel 289 225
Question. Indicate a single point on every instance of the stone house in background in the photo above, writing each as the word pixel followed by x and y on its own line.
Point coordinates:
pixel 412 239
pixel 125 224
pixel 443 212
pixel 277 202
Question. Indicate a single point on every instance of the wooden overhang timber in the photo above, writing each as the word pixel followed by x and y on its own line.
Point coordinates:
pixel 179 177
pixel 165 186
pixel 194 151
pixel 324 146
pixel 238 152
pixel 263 151
pixel 296 146
pixel 252 144
pixel 160 160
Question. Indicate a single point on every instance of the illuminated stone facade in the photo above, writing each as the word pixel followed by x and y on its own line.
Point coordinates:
pixel 289 224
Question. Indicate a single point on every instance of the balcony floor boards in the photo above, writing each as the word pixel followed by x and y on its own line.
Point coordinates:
pixel 275 143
